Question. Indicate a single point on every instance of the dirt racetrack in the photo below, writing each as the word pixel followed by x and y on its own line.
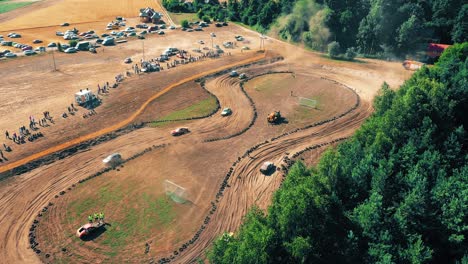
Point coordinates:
pixel 189 160
pixel 192 161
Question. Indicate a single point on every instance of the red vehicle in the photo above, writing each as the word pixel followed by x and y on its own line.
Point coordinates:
pixel 180 131
pixel 26 48
pixel 89 228
pixel 180 55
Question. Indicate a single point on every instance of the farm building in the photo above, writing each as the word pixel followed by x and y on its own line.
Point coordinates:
pixel 148 15
pixel 434 50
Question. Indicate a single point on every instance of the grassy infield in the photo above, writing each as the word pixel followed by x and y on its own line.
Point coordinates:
pixel 200 108
pixel 5 6
pixel 137 218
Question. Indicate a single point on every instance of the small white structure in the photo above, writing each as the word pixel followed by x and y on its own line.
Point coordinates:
pixel 113 159
pixel 84 97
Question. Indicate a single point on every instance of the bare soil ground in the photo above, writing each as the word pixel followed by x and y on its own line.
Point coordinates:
pixel 189 161
pixel 55 12
pixel 20 99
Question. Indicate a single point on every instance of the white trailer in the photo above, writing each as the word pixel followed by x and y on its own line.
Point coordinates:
pixel 84 97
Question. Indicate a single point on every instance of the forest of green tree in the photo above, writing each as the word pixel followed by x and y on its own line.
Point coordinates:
pixel 396 192
pixel 372 27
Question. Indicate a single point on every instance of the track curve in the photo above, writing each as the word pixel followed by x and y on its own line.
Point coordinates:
pixel 24 197
pixel 125 122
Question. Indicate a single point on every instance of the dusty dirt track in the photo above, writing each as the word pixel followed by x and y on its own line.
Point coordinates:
pixel 22 197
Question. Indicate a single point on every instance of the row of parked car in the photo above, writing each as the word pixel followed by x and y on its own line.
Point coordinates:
pixel 72 34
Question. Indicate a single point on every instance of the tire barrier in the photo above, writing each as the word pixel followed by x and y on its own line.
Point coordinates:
pixel 202 82
pixel 287 163
pixel 25 163
pixel 33 244
pixel 147 248
pixel 69 151
pixel 252 104
pixel 85 145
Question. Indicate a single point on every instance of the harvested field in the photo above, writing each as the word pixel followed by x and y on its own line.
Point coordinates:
pixel 9 5
pixel 217 162
pixel 53 12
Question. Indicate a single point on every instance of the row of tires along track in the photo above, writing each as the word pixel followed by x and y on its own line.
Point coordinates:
pixel 287 162
pixel 285 166
pixel 34 245
pixel 85 145
pixel 252 104
pixel 125 130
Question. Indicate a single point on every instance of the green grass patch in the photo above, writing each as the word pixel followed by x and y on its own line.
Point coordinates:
pixel 6 6
pixel 79 207
pixel 133 214
pixel 178 17
pixel 107 194
pixel 147 215
pixel 143 216
pixel 202 108
pixel 271 83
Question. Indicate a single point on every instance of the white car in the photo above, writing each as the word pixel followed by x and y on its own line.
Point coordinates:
pixel 233 74
pixel 29 52
pixel 71 50
pixel 213 34
pixel 10 55
pixel 266 167
pixel 226 111
pixel 113 159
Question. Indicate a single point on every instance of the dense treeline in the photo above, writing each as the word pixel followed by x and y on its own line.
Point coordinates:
pixel 371 26
pixel 396 192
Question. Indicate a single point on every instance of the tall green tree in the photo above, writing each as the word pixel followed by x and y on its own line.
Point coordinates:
pixel 460 26
pixel 396 192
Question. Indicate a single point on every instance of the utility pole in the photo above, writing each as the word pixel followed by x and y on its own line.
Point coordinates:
pixel 143 41
pixel 53 58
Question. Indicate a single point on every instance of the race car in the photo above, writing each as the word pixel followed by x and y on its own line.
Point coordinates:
pixel 180 131
pixel 89 228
